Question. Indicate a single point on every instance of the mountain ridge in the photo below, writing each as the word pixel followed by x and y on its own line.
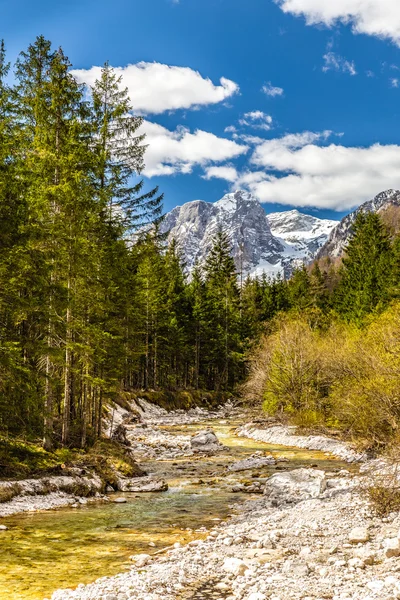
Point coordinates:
pixel 261 243
pixel 339 236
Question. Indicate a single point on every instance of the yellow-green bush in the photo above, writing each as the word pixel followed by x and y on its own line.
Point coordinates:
pixel 366 398
pixel 337 375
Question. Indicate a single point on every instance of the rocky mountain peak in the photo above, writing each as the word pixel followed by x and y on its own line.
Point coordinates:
pixel 260 242
pixel 340 235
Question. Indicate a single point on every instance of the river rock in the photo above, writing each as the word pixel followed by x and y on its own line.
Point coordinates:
pixel 141 560
pixel 295 486
pixel 142 485
pixel 235 566
pixel 253 462
pixel 205 441
pixel 120 500
pixel 392 547
pixel 359 535
pixel 3 528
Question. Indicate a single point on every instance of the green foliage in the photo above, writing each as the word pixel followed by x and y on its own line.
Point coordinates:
pixel 384 499
pixel 338 375
pixel 20 458
pixel 93 304
pixel 367 270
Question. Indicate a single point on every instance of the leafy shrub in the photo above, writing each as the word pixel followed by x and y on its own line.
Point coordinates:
pixel 338 375
pixel 383 499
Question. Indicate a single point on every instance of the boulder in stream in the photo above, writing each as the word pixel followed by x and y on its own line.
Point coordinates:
pixel 206 441
pixel 295 486
pixel 142 484
pixel 253 462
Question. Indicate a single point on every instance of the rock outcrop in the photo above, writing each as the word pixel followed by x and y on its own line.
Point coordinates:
pixel 260 243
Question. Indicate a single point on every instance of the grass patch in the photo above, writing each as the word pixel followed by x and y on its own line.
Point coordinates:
pixel 384 500
pixel 21 459
pixel 107 458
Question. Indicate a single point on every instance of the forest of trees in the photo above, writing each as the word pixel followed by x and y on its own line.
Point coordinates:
pixel 332 358
pixel 92 300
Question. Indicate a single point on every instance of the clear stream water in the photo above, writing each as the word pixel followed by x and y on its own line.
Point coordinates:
pixel 47 550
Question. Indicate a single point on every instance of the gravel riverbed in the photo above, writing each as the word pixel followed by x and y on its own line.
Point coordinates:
pixel 287 545
pixel 309 536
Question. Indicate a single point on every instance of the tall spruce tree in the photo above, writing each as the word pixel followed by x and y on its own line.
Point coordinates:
pixel 223 305
pixel 120 151
pixel 367 269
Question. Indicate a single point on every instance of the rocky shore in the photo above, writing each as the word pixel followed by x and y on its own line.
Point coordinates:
pixel 285 435
pixel 140 429
pixel 310 536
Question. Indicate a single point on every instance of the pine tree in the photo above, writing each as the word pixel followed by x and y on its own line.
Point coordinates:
pixel 300 289
pixel 367 269
pixel 120 151
pixel 319 290
pixel 61 210
pixel 223 307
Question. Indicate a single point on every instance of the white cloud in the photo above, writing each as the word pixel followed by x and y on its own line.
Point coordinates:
pixel 252 140
pixel 227 172
pixel 294 170
pixel 335 62
pixel 230 129
pixel 257 119
pixel 379 18
pixel 179 151
pixel 155 88
pixel 395 82
pixel 271 90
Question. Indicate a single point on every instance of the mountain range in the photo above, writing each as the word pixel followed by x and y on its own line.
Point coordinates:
pixel 262 243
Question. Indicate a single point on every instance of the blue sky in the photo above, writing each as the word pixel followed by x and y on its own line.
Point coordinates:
pixel 323 135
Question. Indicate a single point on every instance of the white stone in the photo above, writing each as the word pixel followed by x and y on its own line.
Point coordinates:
pixel 392 547
pixel 356 563
pixel 228 541
pixel 359 535
pixel 376 585
pixel 296 485
pixel 235 566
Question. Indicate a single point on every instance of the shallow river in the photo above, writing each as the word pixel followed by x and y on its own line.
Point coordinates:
pixel 58 549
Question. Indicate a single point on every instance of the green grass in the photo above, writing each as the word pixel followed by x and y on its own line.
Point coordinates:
pixel 20 459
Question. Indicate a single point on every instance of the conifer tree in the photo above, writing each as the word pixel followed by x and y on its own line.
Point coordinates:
pixel 367 269
pixel 197 300
pixel 120 151
pixel 319 291
pixel 300 289
pixel 223 306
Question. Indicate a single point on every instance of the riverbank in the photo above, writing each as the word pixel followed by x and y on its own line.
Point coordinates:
pixel 329 546
pixel 114 465
pixel 311 535
pixel 288 537
pixel 287 435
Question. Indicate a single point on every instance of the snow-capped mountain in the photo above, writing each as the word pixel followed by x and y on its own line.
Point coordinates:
pixel 302 235
pixel 260 242
pixel 340 235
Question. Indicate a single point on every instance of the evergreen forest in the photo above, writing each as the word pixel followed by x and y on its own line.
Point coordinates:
pixel 95 304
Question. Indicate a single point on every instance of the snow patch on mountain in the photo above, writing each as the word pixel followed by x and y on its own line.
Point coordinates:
pixel 340 235
pixel 261 243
